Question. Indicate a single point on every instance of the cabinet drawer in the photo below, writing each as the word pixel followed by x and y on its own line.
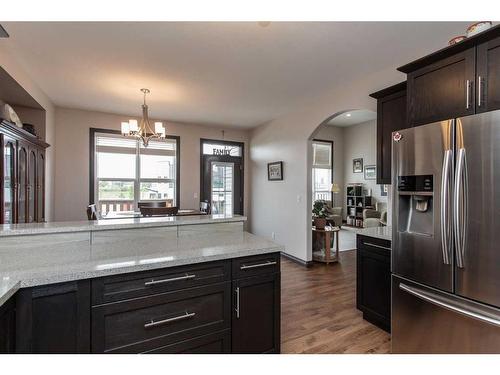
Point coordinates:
pixel 215 343
pixel 122 287
pixel 142 324
pixel 374 244
pixel 256 265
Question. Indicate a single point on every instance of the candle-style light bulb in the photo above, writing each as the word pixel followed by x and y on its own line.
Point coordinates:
pixel 125 128
pixel 133 125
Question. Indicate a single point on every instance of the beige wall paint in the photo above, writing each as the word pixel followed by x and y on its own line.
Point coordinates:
pixel 283 207
pixel 360 141
pixel 72 158
pixel 15 69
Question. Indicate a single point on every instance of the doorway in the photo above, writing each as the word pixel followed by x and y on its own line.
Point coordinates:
pixel 222 176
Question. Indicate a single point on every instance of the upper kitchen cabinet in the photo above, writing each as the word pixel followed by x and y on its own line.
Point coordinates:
pixel 455 81
pixel 488 76
pixel 391 116
pixel 442 90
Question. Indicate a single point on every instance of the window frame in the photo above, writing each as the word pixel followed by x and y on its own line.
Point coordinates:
pixel 317 140
pixel 92 169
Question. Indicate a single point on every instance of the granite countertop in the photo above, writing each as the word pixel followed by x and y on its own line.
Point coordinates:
pixel 384 233
pixel 111 224
pixel 41 265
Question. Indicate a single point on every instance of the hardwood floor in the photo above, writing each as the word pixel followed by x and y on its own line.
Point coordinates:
pixel 318 310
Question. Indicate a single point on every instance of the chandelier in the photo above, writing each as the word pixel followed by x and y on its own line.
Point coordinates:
pixel 144 130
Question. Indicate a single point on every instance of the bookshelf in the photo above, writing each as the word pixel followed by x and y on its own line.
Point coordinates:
pixel 356 202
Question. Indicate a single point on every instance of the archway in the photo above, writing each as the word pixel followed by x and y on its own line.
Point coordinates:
pixel 339 131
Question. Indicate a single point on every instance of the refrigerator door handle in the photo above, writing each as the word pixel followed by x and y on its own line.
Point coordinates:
pixel 445 207
pixel 460 207
pixel 452 305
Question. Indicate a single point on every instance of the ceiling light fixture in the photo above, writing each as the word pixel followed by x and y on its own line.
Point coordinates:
pixel 144 130
pixel 347 115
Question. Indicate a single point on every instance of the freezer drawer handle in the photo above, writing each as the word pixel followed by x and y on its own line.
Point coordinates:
pixel 449 304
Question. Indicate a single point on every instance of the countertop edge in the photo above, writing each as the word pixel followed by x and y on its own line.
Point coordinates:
pixel 115 226
pixel 91 274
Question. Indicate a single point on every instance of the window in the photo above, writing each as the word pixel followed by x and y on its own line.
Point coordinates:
pixel 322 170
pixel 126 172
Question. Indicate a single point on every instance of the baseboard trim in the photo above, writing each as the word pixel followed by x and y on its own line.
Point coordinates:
pixel 304 263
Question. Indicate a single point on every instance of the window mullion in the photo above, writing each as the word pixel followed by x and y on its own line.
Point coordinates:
pixel 137 184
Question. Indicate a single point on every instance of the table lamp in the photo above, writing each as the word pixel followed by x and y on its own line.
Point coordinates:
pixel 335 190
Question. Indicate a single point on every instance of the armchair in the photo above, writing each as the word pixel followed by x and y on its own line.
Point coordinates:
pixel 334 215
pixel 375 217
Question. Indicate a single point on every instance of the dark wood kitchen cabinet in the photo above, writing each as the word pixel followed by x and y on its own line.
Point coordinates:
pixel 442 90
pixel 7 327
pixel 488 76
pixel 455 81
pixel 373 280
pixel 22 185
pixel 391 116
pixel 184 309
pixel 54 318
pixel 257 304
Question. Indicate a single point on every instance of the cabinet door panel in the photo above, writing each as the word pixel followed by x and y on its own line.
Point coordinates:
pixel 373 285
pixel 54 318
pixel 439 91
pixel 488 69
pixel 32 187
pixel 7 327
pixel 41 187
pixel 256 315
pixel 9 181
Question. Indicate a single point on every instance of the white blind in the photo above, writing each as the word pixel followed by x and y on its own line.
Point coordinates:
pixel 322 155
pixel 115 144
pixel 159 147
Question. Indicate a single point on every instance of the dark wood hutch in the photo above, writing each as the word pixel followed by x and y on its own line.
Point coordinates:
pixel 23 163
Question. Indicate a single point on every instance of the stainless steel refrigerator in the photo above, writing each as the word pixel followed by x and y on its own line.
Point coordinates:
pixel 446 237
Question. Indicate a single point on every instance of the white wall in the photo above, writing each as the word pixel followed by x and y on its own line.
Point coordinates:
pixel 360 141
pixel 72 158
pixel 15 69
pixel 283 207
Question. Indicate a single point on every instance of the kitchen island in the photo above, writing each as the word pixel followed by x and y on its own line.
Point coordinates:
pixel 373 275
pixel 200 285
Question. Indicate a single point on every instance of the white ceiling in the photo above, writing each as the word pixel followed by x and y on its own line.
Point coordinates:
pixel 233 74
pixel 353 117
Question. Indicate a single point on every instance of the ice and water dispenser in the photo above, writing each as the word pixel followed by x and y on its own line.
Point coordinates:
pixel 415 194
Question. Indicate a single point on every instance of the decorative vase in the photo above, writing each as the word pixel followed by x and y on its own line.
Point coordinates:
pixel 320 222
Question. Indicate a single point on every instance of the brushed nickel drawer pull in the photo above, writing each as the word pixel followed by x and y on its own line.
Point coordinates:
pixel 268 263
pixel 154 282
pixel 375 245
pixel 237 309
pixel 152 323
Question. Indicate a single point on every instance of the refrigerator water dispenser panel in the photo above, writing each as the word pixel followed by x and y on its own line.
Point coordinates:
pixel 416 213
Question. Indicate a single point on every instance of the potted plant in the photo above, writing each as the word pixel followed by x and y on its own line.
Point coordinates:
pixel 320 212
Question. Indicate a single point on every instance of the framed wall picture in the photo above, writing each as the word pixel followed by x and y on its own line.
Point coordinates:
pixel 370 172
pixel 357 165
pixel 275 171
pixel 383 190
